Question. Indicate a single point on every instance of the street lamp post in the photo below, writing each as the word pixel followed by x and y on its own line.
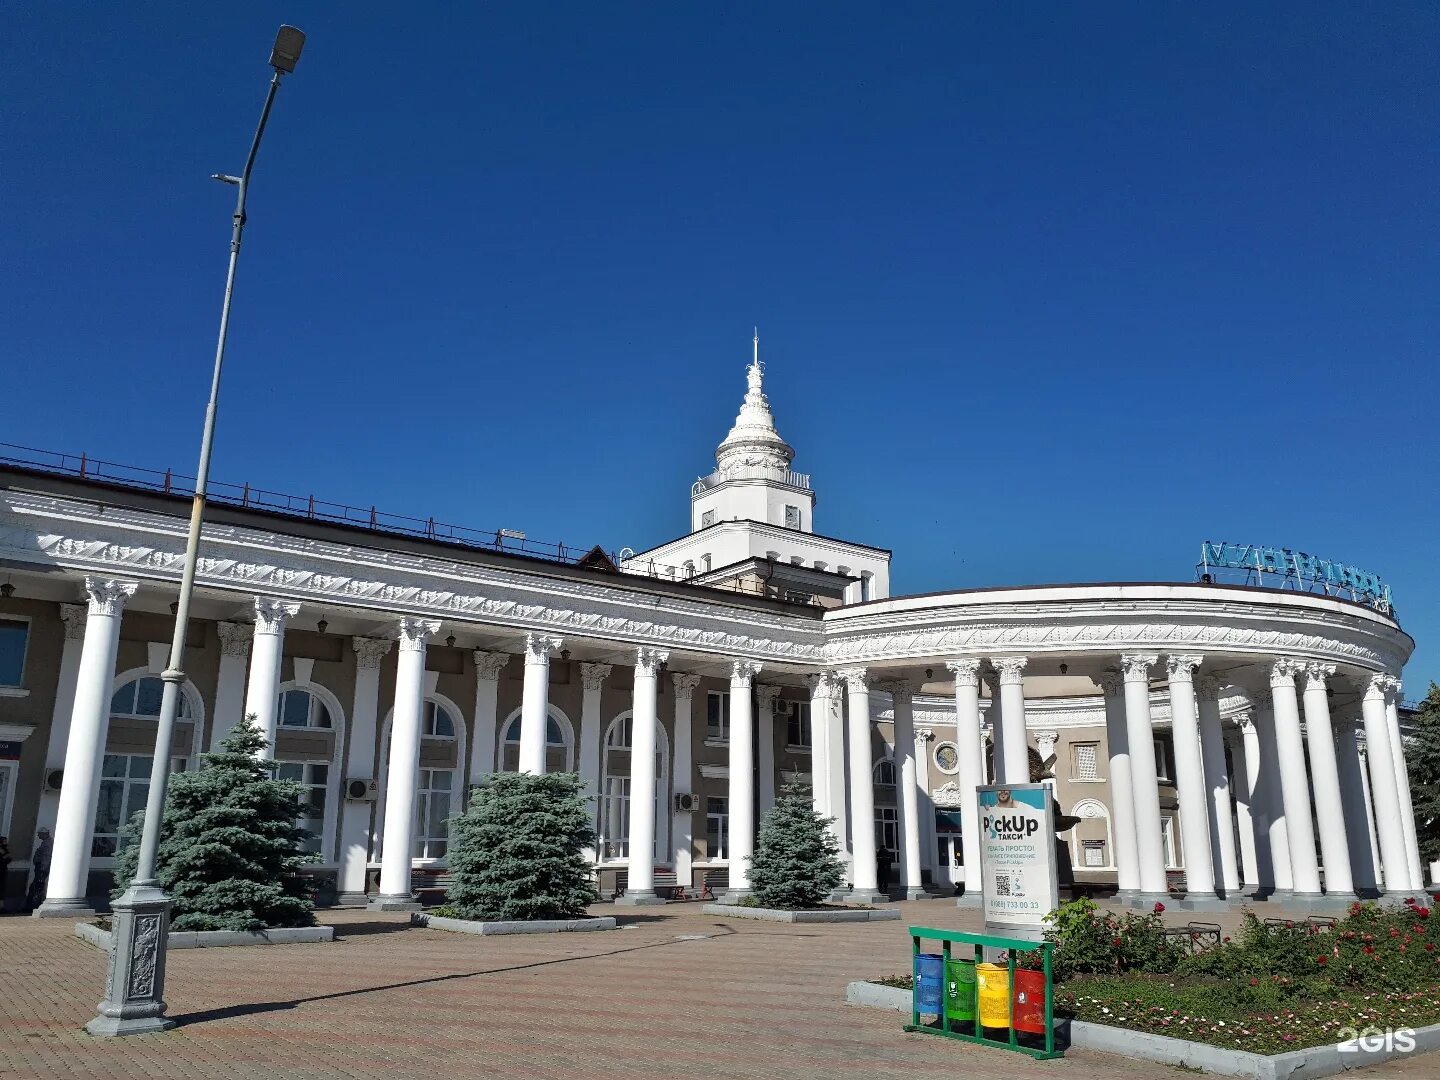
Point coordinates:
pixel 135 981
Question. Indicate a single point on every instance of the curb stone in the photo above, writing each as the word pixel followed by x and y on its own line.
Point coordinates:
pixel 526 926
pixel 737 911
pixel 219 939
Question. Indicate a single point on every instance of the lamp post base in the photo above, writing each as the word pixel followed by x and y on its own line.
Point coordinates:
pixel 135 979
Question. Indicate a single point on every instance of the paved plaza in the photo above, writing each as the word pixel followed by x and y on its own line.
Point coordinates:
pixel 676 993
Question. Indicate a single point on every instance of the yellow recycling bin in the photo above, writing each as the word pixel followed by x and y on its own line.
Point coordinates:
pixel 992 984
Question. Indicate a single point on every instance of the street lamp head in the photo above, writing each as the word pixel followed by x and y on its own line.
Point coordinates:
pixel 288 43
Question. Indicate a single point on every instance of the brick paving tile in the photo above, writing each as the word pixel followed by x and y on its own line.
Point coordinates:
pixel 675 993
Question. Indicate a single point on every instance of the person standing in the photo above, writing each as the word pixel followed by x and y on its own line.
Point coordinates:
pixel 884 858
pixel 40 869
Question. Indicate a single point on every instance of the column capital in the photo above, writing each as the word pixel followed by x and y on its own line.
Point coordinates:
pixel 73 616
pixel 107 596
pixel 1207 688
pixel 1246 723
pixel 1136 666
pixel 685 684
pixel 270 614
pixel 1111 683
pixel 538 648
pixel 822 683
pixel 1283 672
pixel 854 678
pixel 1009 668
pixel 901 690
pixel 966 672
pixel 766 695
pixel 743 672
pixel 370 651
pixel 416 633
pixel 924 734
pixel 1182 668
pixel 648 661
pixel 1393 686
pixel 234 638
pixel 1316 674
pixel 489 665
pixel 1045 742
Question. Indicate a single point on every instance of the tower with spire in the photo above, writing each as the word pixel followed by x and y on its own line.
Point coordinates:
pixel 753 480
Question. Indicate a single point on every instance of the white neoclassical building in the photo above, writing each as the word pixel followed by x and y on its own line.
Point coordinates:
pixel 1220 740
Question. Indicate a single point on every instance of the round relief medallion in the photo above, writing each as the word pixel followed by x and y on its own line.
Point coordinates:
pixel 947 757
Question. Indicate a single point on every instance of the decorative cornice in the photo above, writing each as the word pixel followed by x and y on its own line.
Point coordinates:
pixel 416 633
pixel 73 616
pixel 1136 666
pixel 270 614
pixel 370 651
pixel 1182 668
pixel 489 665
pixel 234 638
pixel 743 672
pixel 647 661
pixel 1010 669
pixel 107 595
pixel 538 648
pixel 685 684
pixel 966 672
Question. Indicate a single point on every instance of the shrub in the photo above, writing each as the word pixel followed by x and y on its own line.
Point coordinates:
pixel 229 851
pixel 518 850
pixel 796 862
pixel 1088 942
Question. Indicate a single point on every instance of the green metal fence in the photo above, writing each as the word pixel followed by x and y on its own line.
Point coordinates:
pixel 948 988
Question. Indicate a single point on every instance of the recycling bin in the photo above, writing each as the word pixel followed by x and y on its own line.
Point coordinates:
pixel 992 985
pixel 960 990
pixel 929 983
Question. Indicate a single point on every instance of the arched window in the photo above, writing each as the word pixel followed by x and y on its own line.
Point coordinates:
pixel 559 743
pixel 438 793
pixel 615 790
pixel 130 753
pixel 885 773
pixel 307 751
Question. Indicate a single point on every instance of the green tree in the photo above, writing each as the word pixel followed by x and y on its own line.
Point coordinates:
pixel 518 850
pixel 229 847
pixel 1422 758
pixel 797 858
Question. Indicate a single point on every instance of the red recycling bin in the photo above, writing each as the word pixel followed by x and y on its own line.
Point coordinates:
pixel 1027 1008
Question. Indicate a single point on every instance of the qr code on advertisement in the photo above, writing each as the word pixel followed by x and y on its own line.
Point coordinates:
pixel 1008 884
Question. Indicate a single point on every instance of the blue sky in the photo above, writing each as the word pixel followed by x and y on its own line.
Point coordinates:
pixel 1047 293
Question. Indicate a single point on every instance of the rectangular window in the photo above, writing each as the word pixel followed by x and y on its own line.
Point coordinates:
pixel 432 812
pixel 13 636
pixel 1085 761
pixel 798 729
pixel 792 517
pixel 124 786
pixel 707 519
pixel 717 715
pixel 887 828
pixel 1162 760
pixel 717 827
pixel 864 587
pixel 315 777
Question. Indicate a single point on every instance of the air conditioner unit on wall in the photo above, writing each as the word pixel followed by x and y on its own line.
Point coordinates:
pixel 53 779
pixel 362 790
pixel 685 800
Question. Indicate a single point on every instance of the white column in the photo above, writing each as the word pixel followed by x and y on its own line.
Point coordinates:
pixel 1217 783
pixel 1389 826
pixel 535 702
pixel 970 771
pixel 1122 801
pixel 765 738
pixel 1402 783
pixel 819 742
pixel 865 874
pixel 1294 784
pixel 1145 785
pixel 1190 776
pixel 995 773
pixel 488 668
pixel 644 718
pixel 926 803
pixel 262 694
pixel 1376 869
pixel 85 749
pixel 230 683
pixel 1355 803
pixel 827 755
pixel 838 776
pixel 404 766
pixel 1266 803
pixel 742 777
pixel 1015 746
pixel 683 823
pixel 1240 758
pixel 356 818
pixel 592 681
pixel 1325 777
pixel 73 616
pixel 907 795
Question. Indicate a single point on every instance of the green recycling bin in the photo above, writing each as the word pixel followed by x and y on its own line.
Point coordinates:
pixel 960 990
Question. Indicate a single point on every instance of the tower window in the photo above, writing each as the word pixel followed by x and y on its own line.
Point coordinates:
pixel 792 517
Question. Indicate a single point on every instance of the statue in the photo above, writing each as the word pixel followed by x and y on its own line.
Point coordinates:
pixel 1040 771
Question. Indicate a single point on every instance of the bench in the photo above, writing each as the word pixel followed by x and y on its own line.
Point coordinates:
pixel 665 882
pixel 430 886
pixel 714 879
